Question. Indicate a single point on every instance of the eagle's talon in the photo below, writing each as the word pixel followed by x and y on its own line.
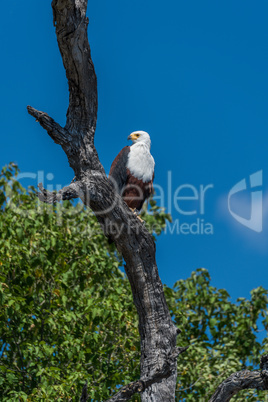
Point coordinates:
pixel 135 212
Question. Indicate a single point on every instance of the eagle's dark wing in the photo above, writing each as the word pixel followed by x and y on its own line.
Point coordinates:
pixel 118 171
pixel 136 191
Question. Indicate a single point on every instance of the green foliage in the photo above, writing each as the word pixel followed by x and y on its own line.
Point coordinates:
pixel 66 312
pixel 222 335
pixel 67 315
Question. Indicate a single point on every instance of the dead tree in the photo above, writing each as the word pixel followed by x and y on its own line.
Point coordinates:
pixel 157 331
pixel 158 364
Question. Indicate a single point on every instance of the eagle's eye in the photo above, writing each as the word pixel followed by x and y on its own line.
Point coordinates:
pixel 138 135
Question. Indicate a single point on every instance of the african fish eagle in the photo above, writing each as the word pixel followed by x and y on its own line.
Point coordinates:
pixel 132 171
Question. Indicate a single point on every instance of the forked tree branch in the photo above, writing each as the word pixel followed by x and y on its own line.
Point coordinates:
pixel 157 331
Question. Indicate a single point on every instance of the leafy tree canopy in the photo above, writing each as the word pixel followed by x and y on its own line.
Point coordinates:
pixel 67 315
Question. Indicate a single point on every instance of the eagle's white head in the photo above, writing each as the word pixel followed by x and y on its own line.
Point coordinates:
pixel 140 136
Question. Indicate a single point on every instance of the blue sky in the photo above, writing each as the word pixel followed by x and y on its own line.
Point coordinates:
pixel 194 75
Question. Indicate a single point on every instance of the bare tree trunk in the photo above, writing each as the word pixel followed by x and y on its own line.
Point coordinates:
pixel 157 331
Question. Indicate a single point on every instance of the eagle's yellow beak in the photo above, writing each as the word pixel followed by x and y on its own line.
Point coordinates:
pixel 133 136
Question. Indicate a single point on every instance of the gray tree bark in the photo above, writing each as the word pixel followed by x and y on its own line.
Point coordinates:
pixel 158 334
pixel 242 380
pixel 159 353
